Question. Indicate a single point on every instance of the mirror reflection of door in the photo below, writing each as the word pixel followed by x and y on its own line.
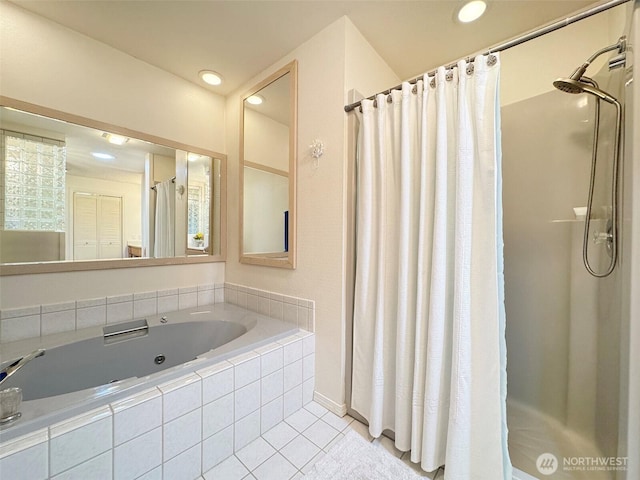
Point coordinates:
pixel 267 118
pixel 97 227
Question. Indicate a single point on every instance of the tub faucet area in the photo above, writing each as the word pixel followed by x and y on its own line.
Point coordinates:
pixel 19 363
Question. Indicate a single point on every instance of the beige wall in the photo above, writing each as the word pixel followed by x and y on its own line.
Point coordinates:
pixel 266 198
pixel 47 64
pixel 32 290
pixel 23 246
pixel 265 141
pixel 329 64
pixel 44 63
pixel 365 70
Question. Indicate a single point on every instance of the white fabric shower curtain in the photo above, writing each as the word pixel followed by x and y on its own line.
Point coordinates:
pixel 164 243
pixel 429 354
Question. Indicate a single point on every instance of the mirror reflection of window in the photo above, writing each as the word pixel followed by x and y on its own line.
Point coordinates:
pixel 34 176
pixel 195 226
pixel 199 239
pixel 32 212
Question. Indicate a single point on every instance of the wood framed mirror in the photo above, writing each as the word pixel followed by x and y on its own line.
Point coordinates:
pixel 268 153
pixel 78 194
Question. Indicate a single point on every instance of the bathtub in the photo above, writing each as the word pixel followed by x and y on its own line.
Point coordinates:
pixel 95 367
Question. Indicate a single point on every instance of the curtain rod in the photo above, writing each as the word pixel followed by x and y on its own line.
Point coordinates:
pixel 173 180
pixel 552 27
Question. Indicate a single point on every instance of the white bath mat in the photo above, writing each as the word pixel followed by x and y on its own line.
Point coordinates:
pixel 353 458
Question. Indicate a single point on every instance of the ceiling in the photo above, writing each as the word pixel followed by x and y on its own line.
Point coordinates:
pixel 81 141
pixel 275 100
pixel 239 38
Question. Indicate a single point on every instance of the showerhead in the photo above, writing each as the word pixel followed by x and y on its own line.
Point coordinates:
pixel 578 83
pixel 570 85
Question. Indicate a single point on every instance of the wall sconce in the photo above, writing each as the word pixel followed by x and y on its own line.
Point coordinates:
pixel 317 150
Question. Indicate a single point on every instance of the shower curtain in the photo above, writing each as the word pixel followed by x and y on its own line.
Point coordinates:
pixel 429 354
pixel 164 245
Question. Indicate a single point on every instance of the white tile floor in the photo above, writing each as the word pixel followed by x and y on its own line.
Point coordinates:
pixel 292 447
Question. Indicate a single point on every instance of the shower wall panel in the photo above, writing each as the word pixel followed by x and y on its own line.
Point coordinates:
pixel 545 174
pixel 562 324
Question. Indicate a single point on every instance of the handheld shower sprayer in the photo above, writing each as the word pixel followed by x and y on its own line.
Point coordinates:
pixel 579 83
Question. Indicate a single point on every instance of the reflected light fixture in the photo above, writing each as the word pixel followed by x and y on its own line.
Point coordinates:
pixel 103 156
pixel 210 77
pixel 471 11
pixel 192 157
pixel 255 99
pixel 115 139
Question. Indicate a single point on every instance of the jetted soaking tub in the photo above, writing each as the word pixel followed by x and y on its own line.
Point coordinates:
pixel 93 367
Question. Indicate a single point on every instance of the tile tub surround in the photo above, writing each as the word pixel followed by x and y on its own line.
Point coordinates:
pixel 178 430
pixel 299 311
pixel 41 320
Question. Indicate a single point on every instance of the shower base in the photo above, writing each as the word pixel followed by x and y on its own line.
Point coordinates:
pixel 532 433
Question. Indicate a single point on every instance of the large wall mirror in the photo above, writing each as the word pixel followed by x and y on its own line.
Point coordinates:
pixel 77 197
pixel 268 131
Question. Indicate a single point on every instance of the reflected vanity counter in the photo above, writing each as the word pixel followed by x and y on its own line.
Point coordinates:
pixel 177 392
pixel 134 250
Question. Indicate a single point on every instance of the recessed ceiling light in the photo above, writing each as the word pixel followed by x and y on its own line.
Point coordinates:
pixel 115 139
pixel 471 11
pixel 211 77
pixel 255 99
pixel 103 156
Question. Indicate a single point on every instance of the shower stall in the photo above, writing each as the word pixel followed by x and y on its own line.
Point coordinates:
pixel 567 199
pixel 571 217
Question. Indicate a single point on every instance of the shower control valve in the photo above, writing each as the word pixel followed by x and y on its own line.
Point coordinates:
pixel 602 237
